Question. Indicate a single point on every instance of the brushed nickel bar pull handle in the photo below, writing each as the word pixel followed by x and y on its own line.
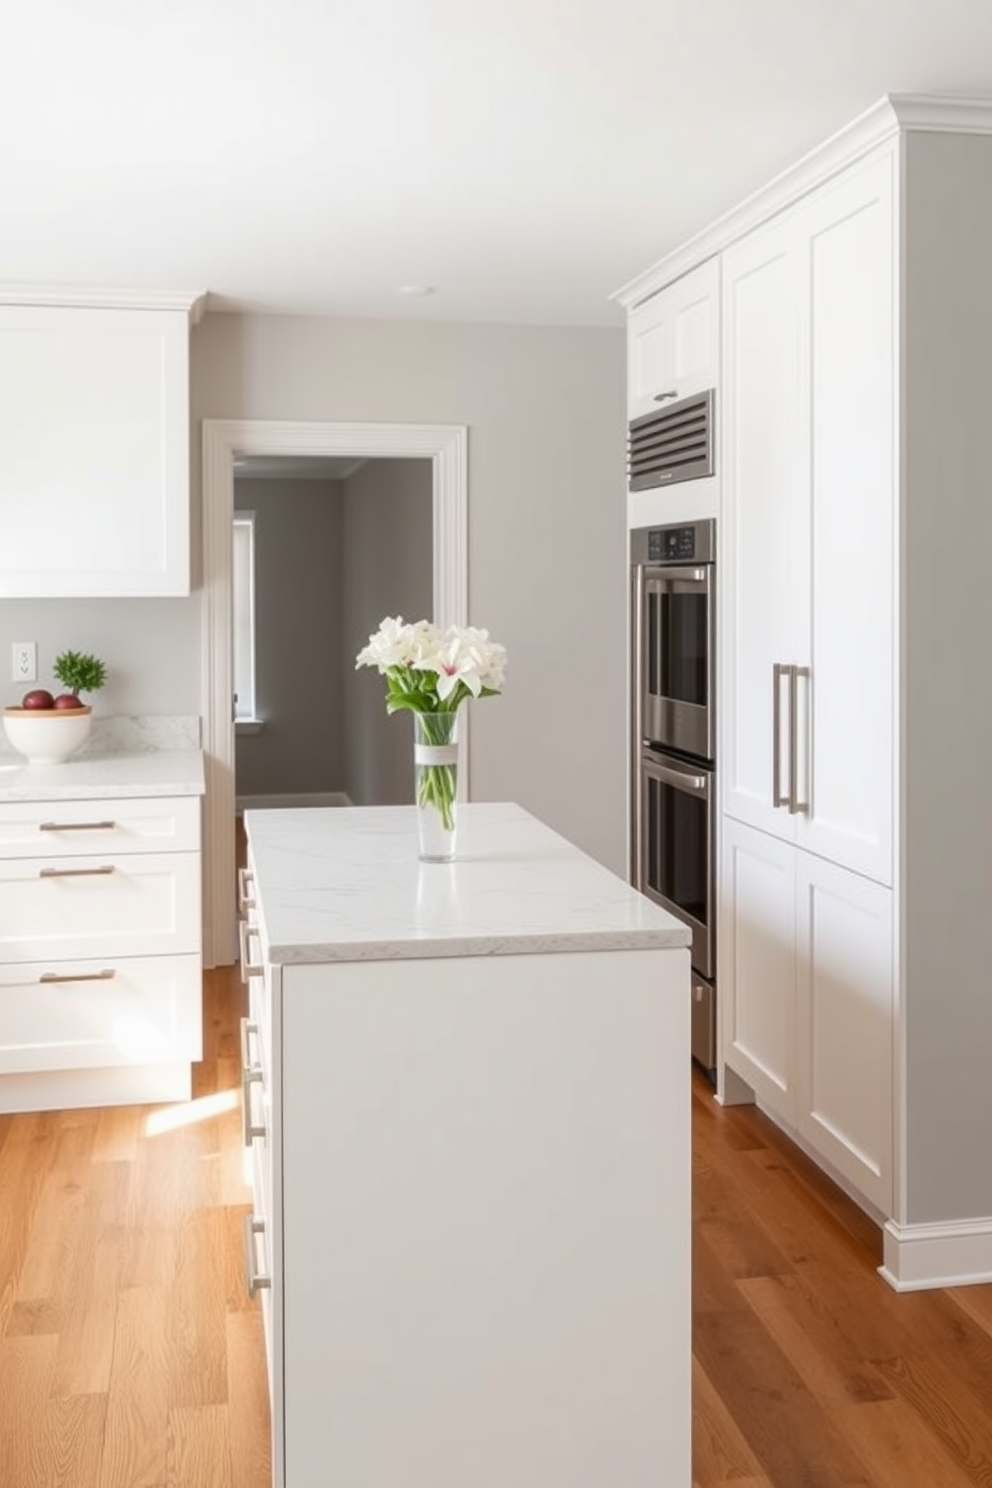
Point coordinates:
pixel 75 872
pixel 797 807
pixel 778 672
pixel 80 976
pixel 246 900
pixel 251 1074
pixel 94 826
pixel 247 1029
pixel 248 967
pixel 663 397
pixel 256 1279
pixel 793 741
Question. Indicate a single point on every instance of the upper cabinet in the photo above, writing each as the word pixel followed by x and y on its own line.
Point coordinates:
pixel 673 341
pixel 94 446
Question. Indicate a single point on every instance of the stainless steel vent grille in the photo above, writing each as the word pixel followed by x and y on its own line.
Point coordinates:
pixel 674 444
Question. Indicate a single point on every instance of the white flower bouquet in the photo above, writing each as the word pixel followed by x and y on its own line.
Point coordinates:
pixel 432 672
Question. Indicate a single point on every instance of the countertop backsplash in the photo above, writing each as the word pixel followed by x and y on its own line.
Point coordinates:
pixel 141 734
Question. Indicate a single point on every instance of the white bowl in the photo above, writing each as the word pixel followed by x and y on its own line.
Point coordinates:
pixel 47 736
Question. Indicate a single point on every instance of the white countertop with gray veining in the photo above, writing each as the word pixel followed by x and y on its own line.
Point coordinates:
pixel 157 772
pixel 346 884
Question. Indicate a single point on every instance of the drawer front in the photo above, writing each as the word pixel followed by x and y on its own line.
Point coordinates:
pixel 100 1014
pixel 33 829
pixel 146 905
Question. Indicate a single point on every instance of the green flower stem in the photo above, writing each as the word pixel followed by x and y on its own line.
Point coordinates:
pixel 437 784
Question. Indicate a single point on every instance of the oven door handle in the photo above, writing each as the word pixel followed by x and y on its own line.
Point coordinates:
pixel 697 785
pixel 664 577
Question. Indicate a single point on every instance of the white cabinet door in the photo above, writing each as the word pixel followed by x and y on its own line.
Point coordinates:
pixel 94 451
pixel 673 341
pixel 847 235
pixel 845 1015
pixel 763 554
pixel 806 981
pixel 808 532
pixel 756 974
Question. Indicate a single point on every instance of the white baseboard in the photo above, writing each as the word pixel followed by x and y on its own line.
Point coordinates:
pixel 957 1253
pixel 315 798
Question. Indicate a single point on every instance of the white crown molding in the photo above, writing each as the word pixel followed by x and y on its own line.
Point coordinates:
pixel 91 297
pixel 920 1256
pixel 891 115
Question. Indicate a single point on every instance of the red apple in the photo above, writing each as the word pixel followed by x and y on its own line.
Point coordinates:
pixel 40 697
pixel 69 700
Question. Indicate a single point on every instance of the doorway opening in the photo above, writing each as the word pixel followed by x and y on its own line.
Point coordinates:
pixel 224 440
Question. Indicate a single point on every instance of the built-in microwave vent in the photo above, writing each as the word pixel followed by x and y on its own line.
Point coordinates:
pixel 673 444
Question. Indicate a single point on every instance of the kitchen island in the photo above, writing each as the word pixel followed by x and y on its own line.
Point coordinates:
pixel 466 1092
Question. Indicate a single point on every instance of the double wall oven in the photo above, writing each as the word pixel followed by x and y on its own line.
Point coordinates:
pixel 673 738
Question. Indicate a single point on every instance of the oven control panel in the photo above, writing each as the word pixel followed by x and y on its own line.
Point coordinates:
pixel 672 544
pixel 682 542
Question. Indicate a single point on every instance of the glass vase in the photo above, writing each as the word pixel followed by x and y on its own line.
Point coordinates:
pixel 435 758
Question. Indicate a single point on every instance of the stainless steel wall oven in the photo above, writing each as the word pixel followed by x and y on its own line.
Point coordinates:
pixel 673 743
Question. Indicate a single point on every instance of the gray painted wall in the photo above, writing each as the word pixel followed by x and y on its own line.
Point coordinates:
pixel 946 680
pixel 388 535
pixel 298 641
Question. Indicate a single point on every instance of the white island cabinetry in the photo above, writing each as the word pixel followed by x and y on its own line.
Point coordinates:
pixel 473 1183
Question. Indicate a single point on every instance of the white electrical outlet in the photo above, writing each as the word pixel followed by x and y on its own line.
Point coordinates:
pixel 25 661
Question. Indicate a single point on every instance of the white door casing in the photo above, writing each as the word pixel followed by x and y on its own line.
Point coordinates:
pixel 446 445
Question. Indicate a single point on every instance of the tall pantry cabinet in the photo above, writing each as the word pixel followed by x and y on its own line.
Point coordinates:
pixel 807 648
pixel 855 528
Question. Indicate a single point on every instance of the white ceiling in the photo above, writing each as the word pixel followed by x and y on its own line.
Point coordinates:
pixel 524 157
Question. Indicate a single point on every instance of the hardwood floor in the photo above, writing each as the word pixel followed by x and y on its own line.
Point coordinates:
pixel 808 1370
pixel 131 1357
pixel 130 1354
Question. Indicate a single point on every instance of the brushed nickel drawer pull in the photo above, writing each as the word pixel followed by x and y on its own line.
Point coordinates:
pixel 96 826
pixel 246 900
pixel 249 968
pixel 74 872
pixel 79 976
pixel 251 1074
pixel 256 1279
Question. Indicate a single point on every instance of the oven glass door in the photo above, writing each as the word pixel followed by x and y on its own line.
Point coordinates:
pixel 677 859
pixel 676 659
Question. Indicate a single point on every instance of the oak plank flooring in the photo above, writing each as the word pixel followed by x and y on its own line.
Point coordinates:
pixel 130 1353
pixel 807 1366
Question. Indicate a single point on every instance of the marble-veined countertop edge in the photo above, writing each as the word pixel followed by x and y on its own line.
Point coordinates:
pixel 345 884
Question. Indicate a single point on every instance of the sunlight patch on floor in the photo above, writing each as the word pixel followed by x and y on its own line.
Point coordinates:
pixel 189 1112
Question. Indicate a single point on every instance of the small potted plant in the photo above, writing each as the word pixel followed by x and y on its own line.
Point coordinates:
pixel 79 673
pixel 47 728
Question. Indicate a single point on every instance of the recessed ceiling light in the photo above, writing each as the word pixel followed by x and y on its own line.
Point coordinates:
pixel 416 291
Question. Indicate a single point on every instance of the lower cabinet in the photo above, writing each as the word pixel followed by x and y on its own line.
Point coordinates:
pixel 100 951
pixel 806 977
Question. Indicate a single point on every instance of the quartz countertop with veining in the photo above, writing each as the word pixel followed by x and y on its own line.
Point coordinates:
pixel 156 772
pixel 346 884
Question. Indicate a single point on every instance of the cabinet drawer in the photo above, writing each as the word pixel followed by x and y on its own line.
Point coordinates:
pixel 144 905
pixel 100 1014
pixel 33 829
